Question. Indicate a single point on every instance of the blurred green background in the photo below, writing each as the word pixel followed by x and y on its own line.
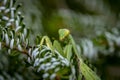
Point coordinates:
pixel 95 25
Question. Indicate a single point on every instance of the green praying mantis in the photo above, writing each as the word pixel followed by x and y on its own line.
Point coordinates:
pixel 69 50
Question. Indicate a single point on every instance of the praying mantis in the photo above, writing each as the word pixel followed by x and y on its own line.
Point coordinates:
pixel 69 50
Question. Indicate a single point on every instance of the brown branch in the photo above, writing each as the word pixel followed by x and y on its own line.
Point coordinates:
pixel 15 48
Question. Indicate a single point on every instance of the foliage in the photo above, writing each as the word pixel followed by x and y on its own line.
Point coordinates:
pixel 90 22
pixel 57 59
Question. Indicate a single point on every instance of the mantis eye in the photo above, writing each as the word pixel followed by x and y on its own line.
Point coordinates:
pixel 63 33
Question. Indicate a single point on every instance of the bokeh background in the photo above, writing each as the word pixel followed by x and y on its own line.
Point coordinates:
pixel 94 24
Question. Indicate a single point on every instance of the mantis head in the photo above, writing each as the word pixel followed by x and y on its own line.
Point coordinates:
pixel 63 33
